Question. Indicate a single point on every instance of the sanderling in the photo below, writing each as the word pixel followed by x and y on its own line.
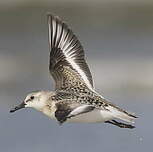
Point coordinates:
pixel 74 98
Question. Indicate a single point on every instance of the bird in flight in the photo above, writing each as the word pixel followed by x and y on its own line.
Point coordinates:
pixel 74 98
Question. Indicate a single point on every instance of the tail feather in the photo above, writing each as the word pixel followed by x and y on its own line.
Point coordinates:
pixel 122 114
pixel 125 116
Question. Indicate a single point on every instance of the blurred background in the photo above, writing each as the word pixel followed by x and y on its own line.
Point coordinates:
pixel 118 41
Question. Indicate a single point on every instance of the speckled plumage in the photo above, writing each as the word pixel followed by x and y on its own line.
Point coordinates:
pixel 70 71
pixel 74 98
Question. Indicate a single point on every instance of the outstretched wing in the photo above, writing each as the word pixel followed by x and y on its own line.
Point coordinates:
pixel 67 63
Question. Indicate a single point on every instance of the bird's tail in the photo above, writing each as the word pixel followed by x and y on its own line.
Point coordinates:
pixel 122 114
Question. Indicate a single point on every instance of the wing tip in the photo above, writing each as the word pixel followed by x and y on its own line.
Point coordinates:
pixel 51 16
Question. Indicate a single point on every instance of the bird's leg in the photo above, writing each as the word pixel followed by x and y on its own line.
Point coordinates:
pixel 120 124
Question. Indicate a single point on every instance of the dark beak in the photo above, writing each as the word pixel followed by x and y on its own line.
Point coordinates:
pixel 22 105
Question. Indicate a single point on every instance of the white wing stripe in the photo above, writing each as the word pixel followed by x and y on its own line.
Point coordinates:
pixel 49 31
pixel 77 68
pixel 69 57
pixel 61 37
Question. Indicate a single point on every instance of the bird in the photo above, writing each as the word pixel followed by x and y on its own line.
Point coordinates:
pixel 74 99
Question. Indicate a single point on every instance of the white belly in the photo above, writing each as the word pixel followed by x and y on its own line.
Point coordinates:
pixel 94 116
pixel 90 117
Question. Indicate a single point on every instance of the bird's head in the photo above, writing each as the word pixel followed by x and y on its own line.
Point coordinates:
pixel 36 100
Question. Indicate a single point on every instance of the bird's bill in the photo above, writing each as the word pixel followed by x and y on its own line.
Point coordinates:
pixel 22 105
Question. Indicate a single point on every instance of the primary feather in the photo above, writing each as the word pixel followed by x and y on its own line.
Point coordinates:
pixel 66 51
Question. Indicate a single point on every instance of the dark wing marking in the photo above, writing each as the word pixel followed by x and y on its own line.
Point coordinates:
pixel 67 110
pixel 62 112
pixel 80 110
pixel 66 56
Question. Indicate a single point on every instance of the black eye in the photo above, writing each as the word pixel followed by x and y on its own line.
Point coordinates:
pixel 32 97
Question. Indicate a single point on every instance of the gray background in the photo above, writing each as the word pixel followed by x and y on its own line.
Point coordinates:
pixel 118 41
